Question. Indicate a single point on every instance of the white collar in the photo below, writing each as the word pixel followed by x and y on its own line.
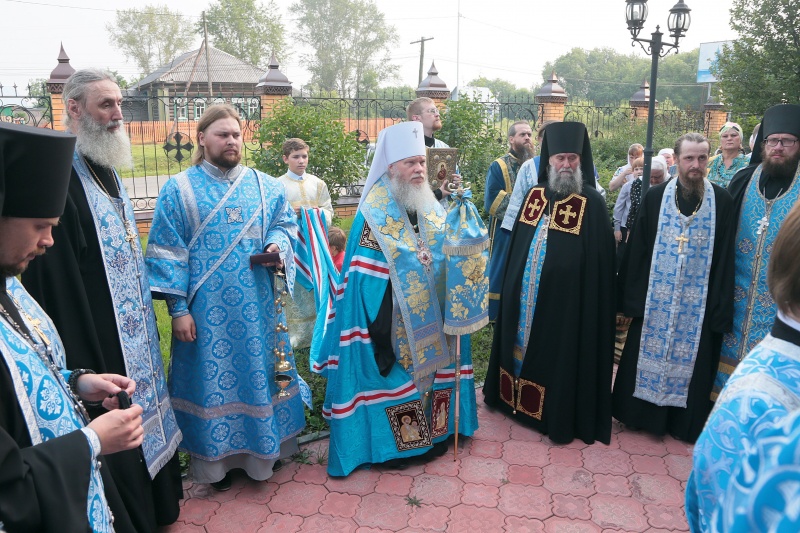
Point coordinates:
pixel 295 176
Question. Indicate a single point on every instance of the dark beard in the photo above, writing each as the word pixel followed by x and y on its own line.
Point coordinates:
pixel 785 170
pixel 524 153
pixel 9 271
pixel 693 192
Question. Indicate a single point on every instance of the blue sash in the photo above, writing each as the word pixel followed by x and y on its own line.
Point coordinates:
pixel 126 276
pixel 676 300
pixel 753 307
pixel 45 400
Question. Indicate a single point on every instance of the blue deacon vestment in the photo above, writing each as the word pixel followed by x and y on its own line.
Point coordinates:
pixel 746 470
pixel 374 418
pixel 753 308
pixel 205 228
pixel 48 406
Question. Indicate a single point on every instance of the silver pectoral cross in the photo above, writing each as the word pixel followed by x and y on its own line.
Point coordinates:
pixel 130 236
pixel 763 224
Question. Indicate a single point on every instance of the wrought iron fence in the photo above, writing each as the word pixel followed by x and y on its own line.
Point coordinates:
pixel 602 121
pixel 33 107
pixel 162 132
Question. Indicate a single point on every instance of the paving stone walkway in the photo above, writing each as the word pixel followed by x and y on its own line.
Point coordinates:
pixel 508 478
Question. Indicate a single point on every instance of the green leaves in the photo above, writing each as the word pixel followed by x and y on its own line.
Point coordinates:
pixel 762 68
pixel 335 156
pixel 246 29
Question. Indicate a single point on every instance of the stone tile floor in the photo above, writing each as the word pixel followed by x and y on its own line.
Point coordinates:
pixel 507 478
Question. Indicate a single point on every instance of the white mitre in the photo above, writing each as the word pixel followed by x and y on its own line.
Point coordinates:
pixel 394 144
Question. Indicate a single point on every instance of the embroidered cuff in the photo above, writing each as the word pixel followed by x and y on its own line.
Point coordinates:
pixel 94 442
pixel 177 306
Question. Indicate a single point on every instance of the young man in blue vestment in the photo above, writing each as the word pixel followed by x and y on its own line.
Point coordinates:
pixel 746 469
pixel 51 479
pixel 413 280
pixel 676 282
pixel 228 330
pixel 92 283
pixel 763 193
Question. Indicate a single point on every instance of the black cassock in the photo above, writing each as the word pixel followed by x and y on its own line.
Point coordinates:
pixel 682 423
pixel 69 282
pixel 569 360
pixel 44 488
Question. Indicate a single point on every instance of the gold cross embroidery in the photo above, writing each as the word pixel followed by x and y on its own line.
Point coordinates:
pixel 568 214
pixel 533 208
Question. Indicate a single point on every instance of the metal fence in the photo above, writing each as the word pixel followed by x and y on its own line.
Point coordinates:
pixel 31 107
pixel 162 132
pixel 602 121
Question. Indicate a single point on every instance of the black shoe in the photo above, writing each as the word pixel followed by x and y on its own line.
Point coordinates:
pixel 396 464
pixel 277 465
pixel 223 484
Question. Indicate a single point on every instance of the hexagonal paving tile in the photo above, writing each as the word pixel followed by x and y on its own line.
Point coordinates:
pixel 614 512
pixel 298 499
pixel 437 490
pixel 525 501
pixel 383 511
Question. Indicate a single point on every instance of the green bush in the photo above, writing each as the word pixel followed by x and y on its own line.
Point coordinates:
pixel 334 155
pixel 464 126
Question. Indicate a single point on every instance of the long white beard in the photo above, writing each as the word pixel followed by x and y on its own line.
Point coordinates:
pixel 107 149
pixel 414 198
pixel 565 182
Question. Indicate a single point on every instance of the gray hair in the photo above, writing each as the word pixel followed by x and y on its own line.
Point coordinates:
pixel 77 86
pixel 659 163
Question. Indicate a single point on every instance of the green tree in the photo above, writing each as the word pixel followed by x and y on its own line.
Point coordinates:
pixel 465 126
pixel 37 87
pixel 150 36
pixel 350 42
pixel 606 77
pixel 503 90
pixel 762 68
pixel 334 154
pixel 247 29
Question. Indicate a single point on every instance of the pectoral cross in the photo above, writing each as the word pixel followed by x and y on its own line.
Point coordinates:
pixel 533 208
pixel 682 239
pixel 130 236
pixel 35 324
pixel 763 224
pixel 567 214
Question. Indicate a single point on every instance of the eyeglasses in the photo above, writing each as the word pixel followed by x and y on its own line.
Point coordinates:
pixel 785 142
pixel 432 111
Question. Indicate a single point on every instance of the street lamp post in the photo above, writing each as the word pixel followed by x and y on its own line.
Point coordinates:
pixel 678 24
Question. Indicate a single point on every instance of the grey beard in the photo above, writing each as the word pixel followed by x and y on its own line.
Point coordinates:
pixel 414 198
pixel 565 182
pixel 105 148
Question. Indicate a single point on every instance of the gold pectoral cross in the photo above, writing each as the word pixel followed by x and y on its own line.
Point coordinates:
pixel 35 324
pixel 682 239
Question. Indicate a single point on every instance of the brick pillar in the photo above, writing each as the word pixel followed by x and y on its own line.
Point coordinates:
pixel 434 87
pixel 715 118
pixel 640 102
pixel 273 87
pixel 551 99
pixel 55 86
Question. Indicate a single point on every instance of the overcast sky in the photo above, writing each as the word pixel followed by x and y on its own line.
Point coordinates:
pixel 504 39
